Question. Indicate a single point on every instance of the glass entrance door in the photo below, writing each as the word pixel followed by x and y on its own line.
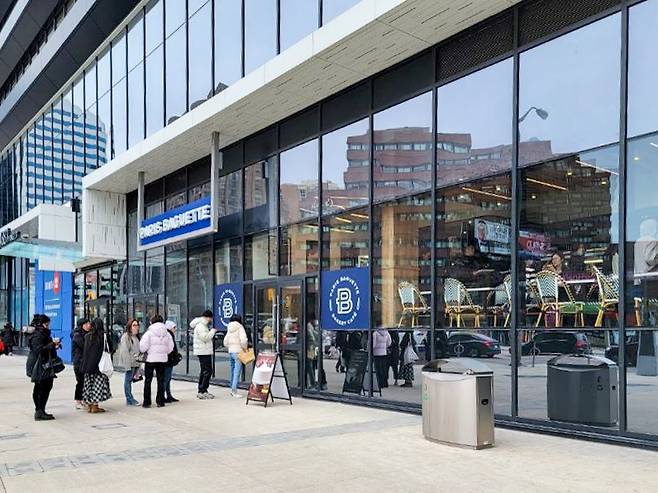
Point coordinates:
pixel 279 323
pixel 143 308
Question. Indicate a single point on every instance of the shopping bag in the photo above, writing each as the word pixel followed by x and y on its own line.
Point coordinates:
pixel 410 355
pixel 246 356
pixel 105 365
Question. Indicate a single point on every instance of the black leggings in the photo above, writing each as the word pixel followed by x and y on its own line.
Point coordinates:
pixel 41 393
pixel 159 369
pixel 79 384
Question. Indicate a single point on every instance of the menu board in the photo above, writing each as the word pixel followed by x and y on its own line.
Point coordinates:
pixel 355 372
pixel 269 380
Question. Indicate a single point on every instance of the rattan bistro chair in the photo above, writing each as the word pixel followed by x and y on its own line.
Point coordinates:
pixel 458 302
pixel 500 301
pixel 413 303
pixel 548 285
pixel 608 294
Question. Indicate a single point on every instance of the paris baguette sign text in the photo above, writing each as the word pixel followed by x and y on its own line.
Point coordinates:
pixel 183 222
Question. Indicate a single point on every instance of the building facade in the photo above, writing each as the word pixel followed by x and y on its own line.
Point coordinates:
pixel 472 180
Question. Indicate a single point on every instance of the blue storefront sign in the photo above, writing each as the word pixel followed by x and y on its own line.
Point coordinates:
pixel 177 224
pixel 345 299
pixel 228 302
pixel 54 297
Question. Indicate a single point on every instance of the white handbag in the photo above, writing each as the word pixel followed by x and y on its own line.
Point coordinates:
pixel 105 365
pixel 410 355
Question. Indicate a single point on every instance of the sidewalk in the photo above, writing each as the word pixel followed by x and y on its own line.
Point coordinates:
pixel 199 446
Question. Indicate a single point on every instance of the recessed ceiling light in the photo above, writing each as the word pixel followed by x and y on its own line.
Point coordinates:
pixel 636 158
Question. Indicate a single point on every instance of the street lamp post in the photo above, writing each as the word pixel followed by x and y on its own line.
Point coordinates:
pixel 541 113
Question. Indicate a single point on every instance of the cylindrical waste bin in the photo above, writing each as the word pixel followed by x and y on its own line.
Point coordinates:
pixel 583 389
pixel 457 402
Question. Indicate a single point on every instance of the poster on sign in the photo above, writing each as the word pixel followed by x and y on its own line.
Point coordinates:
pixel 269 380
pixel 345 299
pixel 492 237
pixel 228 302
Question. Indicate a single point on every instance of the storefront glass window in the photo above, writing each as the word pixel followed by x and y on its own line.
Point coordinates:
pixel 175 73
pixel 176 289
pixel 345 240
pixel 260 256
pixel 299 249
pixel 230 204
pixel 475 130
pixel 402 148
pixel 298 190
pixel 200 291
pixel 136 80
pixel 228 43
pixel 228 261
pixel 345 167
pixel 260 192
pixel 260 32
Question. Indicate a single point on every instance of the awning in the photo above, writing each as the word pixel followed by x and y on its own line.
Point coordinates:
pixel 47 234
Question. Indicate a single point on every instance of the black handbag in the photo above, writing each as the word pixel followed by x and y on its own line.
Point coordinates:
pixel 141 357
pixel 42 370
pixel 175 358
pixel 55 364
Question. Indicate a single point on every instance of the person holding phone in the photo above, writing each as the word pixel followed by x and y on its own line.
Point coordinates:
pixel 42 348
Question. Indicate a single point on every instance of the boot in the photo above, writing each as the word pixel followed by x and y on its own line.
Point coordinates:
pixel 40 415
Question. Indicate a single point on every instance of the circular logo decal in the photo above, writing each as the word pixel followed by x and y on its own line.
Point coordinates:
pixel 227 305
pixel 344 301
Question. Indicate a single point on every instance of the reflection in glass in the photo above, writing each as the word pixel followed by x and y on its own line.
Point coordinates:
pixel 299 249
pixel 260 194
pixel 345 240
pixel 260 32
pixel 345 167
pixel 299 18
pixel 402 148
pixel 176 103
pixel 299 183
pixel 200 55
pixel 475 129
pixel 228 43
pixel 119 118
pixel 402 262
pixel 569 92
pixel 333 8
pixel 260 256
pixel 176 289
pixel 228 261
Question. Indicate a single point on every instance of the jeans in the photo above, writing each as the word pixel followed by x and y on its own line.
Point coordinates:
pixel 79 384
pixel 169 370
pixel 159 369
pixel 236 369
pixel 205 361
pixel 41 393
pixel 128 385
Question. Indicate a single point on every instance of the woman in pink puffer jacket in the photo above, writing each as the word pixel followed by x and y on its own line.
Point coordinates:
pixel 157 343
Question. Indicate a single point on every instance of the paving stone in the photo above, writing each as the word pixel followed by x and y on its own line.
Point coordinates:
pixel 21 468
pixel 54 463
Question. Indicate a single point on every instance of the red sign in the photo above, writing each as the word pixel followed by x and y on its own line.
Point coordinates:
pixel 56 282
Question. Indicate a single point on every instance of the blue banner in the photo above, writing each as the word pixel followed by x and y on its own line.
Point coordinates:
pixel 228 302
pixel 54 297
pixel 173 224
pixel 345 299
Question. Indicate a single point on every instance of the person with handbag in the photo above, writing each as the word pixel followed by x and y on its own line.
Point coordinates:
pixel 236 342
pixel 157 344
pixel 172 360
pixel 127 359
pixel 408 355
pixel 381 341
pixel 77 350
pixel 203 349
pixel 39 366
pixel 96 387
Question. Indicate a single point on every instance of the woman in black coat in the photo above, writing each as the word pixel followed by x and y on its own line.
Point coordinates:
pixel 77 350
pixel 96 387
pixel 42 348
pixel 8 339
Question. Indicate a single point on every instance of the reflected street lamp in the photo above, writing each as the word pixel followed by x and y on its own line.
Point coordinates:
pixel 541 113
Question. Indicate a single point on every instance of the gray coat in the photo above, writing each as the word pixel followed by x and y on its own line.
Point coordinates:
pixel 128 348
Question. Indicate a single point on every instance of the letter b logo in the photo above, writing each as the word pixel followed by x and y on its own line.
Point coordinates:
pixel 344 302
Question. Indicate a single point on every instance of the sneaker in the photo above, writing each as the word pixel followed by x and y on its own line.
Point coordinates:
pixel 236 395
pixel 201 396
pixel 132 403
pixel 80 406
pixel 209 395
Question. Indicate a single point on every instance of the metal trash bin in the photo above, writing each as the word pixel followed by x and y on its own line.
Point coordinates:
pixel 583 389
pixel 457 401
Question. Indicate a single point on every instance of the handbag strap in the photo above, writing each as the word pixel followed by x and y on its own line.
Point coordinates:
pixel 106 348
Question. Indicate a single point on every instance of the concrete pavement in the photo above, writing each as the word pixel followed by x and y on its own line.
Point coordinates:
pixel 201 446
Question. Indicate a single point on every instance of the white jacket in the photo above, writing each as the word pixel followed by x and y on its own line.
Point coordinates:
pixel 203 337
pixel 236 338
pixel 157 343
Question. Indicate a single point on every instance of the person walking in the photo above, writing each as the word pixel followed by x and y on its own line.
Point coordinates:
pixel 203 349
pixel 8 339
pixel 406 372
pixel 96 388
pixel 126 358
pixel 172 360
pixel 42 349
pixel 77 350
pixel 381 341
pixel 235 341
pixel 157 344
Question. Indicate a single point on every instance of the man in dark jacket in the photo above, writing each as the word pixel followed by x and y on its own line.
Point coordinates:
pixel 42 348
pixel 8 339
pixel 77 350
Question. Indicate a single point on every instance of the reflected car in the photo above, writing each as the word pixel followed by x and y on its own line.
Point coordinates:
pixel 556 342
pixel 472 345
pixel 612 351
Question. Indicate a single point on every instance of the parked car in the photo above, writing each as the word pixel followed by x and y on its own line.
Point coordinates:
pixel 473 345
pixel 556 342
pixel 612 351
